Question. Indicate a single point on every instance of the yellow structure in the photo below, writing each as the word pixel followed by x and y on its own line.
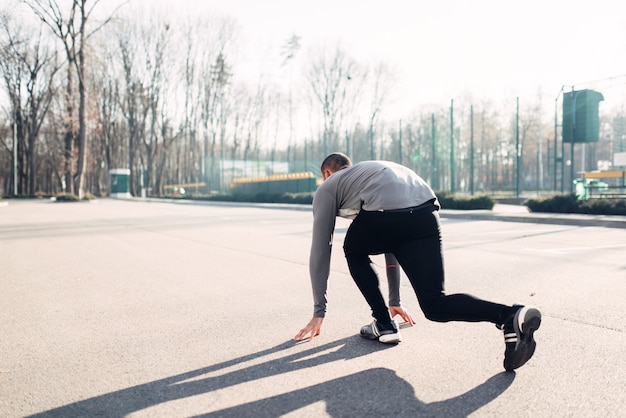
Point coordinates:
pixel 604 175
pixel 275 183
pixel 275 177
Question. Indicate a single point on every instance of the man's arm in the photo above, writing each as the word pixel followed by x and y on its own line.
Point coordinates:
pixel 392 268
pixel 324 216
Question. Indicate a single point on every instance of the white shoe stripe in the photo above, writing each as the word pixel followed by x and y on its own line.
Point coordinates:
pixel 521 317
pixel 375 329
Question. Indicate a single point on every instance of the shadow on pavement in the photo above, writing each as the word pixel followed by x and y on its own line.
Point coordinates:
pixel 375 392
pixel 372 392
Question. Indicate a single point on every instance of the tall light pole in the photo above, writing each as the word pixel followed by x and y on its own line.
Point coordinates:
pixel 472 150
pixel 15 152
pixel 518 151
pixel 433 166
pixel 558 159
pixel 399 141
pixel 571 167
pixel 452 179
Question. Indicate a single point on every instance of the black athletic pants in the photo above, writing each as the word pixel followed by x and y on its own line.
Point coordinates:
pixel 415 239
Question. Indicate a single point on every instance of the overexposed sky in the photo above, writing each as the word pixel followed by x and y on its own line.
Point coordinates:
pixel 440 49
pixel 445 48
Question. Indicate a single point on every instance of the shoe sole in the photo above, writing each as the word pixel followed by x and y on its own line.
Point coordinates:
pixel 527 320
pixel 394 338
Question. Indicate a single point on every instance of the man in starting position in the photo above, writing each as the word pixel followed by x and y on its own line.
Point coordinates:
pixel 396 212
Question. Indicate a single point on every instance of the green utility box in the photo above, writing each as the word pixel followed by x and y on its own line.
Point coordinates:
pixel 118 183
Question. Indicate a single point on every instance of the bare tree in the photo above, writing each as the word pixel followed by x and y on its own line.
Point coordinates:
pixel 382 83
pixel 146 57
pixel 188 152
pixel 335 80
pixel 132 101
pixel 289 52
pixel 70 28
pixel 158 134
pixel 13 75
pixel 216 81
pixel 257 104
pixel 29 69
pixel 208 44
pixel 108 146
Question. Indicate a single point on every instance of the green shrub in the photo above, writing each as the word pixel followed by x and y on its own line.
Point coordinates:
pixel 603 206
pixel 565 203
pixel 293 198
pixel 66 197
pixel 450 201
pixel 297 198
pixel 568 203
pixel 447 200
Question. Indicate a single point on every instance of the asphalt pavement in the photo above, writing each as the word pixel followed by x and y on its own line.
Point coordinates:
pixel 149 308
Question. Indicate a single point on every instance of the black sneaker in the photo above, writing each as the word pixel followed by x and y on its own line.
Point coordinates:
pixel 373 332
pixel 518 336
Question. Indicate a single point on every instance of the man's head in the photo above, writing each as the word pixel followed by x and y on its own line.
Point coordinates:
pixel 333 163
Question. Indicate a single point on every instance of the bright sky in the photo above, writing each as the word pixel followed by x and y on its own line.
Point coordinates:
pixel 445 48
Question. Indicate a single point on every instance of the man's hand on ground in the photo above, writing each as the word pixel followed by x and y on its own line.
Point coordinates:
pixel 399 310
pixel 313 328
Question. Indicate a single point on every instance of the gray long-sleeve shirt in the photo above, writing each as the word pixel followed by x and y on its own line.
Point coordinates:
pixel 369 185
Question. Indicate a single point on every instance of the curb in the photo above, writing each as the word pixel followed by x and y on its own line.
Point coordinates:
pixel 607 221
pixel 540 218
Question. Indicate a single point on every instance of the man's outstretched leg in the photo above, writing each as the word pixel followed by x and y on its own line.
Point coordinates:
pixel 422 261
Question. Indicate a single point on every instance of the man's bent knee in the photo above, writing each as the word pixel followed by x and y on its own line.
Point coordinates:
pixel 434 309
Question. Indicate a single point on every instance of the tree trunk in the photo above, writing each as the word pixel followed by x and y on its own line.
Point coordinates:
pixel 82 139
pixel 69 132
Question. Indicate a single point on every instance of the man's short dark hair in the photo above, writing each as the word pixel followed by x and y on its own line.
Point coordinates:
pixel 336 161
